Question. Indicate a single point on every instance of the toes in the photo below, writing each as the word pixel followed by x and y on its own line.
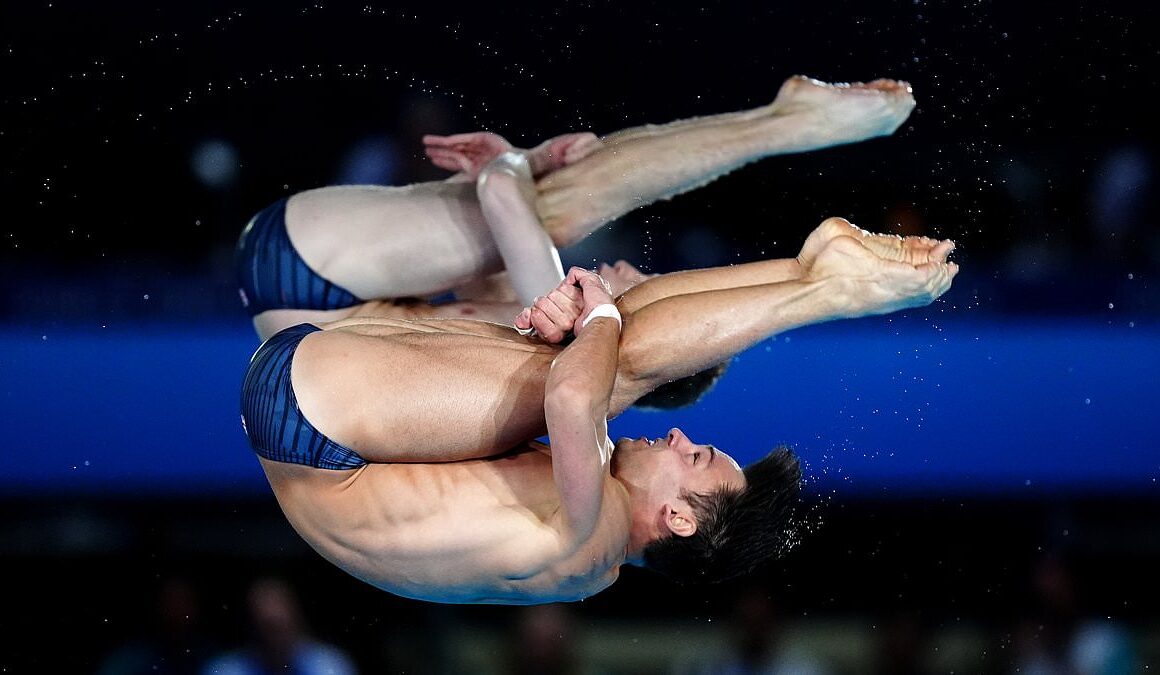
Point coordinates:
pixel 942 250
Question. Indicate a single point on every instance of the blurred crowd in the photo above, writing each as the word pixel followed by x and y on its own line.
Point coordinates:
pixel 271 629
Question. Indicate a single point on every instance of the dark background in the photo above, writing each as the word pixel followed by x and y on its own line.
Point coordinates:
pixel 1033 146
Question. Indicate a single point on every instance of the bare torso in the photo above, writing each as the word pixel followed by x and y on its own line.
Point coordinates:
pixel 478 531
pixel 456 505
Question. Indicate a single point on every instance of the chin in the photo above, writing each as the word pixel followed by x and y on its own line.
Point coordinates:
pixel 622 446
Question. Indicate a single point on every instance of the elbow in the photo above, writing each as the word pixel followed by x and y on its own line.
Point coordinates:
pixel 503 174
pixel 498 191
pixel 576 396
pixel 495 179
pixel 563 395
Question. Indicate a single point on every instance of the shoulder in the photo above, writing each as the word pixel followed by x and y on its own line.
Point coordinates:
pixel 604 549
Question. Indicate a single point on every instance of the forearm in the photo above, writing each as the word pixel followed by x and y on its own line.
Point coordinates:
pixel 506 195
pixel 576 404
pixel 683 334
pixel 709 279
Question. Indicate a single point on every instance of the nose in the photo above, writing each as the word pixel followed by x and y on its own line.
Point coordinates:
pixel 677 438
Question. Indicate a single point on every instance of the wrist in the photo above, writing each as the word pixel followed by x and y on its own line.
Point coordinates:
pixel 605 310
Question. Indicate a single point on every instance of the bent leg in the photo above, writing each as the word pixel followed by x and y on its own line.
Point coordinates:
pixel 388 242
pixel 436 391
pixel 639 166
pixel 678 324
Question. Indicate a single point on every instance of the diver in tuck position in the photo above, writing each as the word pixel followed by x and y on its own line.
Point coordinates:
pixel 402 450
pixel 482 244
pixel 334 252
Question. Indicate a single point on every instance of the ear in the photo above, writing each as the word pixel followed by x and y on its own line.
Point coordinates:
pixel 679 520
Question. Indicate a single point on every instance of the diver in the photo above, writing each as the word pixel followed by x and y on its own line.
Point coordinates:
pixel 405 451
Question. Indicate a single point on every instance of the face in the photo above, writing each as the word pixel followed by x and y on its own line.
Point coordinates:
pixel 659 470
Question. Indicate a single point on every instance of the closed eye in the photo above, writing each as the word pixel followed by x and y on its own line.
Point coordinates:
pixel 696 456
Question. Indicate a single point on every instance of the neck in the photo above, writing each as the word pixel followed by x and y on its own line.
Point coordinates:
pixel 643 529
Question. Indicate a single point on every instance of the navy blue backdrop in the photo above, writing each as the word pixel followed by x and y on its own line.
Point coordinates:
pixel 914 405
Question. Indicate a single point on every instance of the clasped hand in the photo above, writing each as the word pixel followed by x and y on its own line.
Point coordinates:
pixel 564 309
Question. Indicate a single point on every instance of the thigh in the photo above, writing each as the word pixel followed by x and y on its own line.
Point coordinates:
pixel 395 394
pixel 388 242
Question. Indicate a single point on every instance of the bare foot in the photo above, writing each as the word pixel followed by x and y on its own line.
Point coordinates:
pixel 910 250
pixel 877 285
pixel 846 112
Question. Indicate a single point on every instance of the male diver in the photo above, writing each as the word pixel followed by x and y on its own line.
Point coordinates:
pixel 403 451
pixel 489 233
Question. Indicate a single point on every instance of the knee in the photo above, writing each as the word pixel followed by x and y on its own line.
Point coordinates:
pixel 566 229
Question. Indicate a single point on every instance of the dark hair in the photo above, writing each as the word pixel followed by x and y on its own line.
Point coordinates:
pixel 736 529
pixel 683 392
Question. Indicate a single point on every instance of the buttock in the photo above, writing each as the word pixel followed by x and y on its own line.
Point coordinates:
pixel 271 419
pixel 272 274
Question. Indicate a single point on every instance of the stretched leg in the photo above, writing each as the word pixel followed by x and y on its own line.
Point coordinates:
pixel 640 166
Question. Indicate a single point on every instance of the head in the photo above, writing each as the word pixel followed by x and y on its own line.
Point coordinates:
pixel 710 520
pixel 684 392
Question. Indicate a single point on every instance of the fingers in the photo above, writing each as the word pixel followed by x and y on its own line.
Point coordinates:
pixel 453 139
pixel 450 161
pixel 594 287
pixel 551 321
pixel 571 292
pixel 594 284
pixel 562 305
pixel 553 315
pixel 575 274
pixel 547 328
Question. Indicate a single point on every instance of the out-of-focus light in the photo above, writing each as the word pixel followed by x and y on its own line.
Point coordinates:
pixel 370 161
pixel 215 163
pixel 1120 187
